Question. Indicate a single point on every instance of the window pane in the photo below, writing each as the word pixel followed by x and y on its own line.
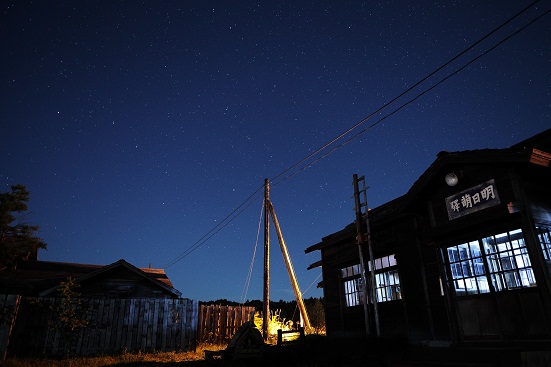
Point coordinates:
pixel 527 276
pixel 463 251
pixel 545 241
pixel 479 266
pixel 512 280
pixel 388 286
pixel 498 282
pixel 494 264
pixel 505 256
pixel 453 254
pixel 352 292
pixel 387 283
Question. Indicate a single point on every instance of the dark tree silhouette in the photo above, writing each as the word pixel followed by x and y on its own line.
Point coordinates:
pixel 17 238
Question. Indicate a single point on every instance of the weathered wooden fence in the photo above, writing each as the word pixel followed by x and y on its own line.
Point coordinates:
pixel 114 326
pixel 217 324
pixel 9 305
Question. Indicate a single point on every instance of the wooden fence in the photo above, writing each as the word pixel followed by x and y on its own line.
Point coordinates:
pixel 217 324
pixel 114 326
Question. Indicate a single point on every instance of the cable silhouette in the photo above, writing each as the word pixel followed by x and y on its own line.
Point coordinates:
pixel 410 101
pixel 405 91
pixel 249 275
pixel 256 196
pixel 223 223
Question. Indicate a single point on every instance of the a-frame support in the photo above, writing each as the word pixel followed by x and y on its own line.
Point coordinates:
pixel 270 211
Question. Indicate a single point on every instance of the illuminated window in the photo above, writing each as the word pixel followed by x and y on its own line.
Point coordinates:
pixel 501 259
pixel 508 261
pixel 352 285
pixel 387 281
pixel 388 286
pixel 467 268
pixel 545 240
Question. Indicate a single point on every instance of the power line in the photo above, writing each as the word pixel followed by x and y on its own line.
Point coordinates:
pixel 249 201
pixel 310 164
pixel 217 228
pixel 404 92
pixel 249 275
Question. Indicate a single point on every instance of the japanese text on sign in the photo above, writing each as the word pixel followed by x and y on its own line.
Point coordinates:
pixel 472 200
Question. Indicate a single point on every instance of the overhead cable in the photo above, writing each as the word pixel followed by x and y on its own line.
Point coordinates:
pixel 254 197
pixel 346 132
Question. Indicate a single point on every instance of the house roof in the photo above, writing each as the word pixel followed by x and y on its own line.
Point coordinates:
pixel 520 153
pixel 534 150
pixel 44 277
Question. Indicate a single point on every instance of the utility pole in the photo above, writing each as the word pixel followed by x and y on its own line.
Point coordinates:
pixel 269 210
pixel 290 271
pixel 266 310
pixel 361 239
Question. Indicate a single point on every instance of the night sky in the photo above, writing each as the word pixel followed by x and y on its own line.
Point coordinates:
pixel 139 126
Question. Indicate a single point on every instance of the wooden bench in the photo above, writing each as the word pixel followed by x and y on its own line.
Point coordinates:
pixel 299 331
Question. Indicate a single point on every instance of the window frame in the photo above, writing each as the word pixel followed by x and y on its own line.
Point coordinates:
pixel 352 285
pixel 493 263
pixel 386 282
pixel 544 238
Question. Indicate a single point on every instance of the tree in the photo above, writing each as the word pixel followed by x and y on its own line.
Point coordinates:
pixel 71 315
pixel 17 238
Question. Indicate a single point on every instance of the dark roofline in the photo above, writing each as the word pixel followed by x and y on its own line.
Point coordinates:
pixel 317 264
pixel 119 263
pixel 525 151
pixel 482 156
pixel 541 141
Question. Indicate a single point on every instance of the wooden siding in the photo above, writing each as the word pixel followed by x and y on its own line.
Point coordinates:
pixel 114 326
pixel 218 324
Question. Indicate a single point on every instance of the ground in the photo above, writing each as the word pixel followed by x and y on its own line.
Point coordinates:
pixel 322 351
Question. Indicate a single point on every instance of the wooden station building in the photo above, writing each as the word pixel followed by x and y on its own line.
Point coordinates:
pixel 464 255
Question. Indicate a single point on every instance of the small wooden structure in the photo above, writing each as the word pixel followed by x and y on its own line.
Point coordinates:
pixel 125 307
pixel 247 343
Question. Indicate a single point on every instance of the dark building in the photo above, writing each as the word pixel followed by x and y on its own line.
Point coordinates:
pixel 118 280
pixel 464 255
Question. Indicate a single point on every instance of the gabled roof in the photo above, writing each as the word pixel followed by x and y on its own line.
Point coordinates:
pixel 125 265
pixel 43 277
pixel 476 157
pixel 535 150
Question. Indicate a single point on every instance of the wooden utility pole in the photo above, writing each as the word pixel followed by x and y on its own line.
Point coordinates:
pixel 360 241
pixel 372 265
pixel 290 270
pixel 266 310
pixel 269 210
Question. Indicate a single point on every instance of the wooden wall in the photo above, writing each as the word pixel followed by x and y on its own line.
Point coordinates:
pixel 114 326
pixel 218 324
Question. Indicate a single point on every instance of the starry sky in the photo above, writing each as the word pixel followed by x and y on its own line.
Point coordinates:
pixel 144 129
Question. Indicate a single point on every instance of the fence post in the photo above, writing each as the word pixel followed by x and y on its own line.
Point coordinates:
pixel 9 305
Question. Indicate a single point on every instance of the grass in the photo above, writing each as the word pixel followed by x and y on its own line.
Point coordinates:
pixel 314 351
pixel 164 359
pixel 167 359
